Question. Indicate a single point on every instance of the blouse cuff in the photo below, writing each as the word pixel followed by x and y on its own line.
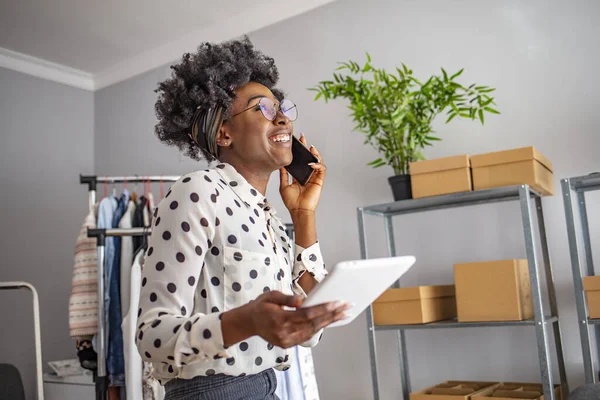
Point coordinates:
pixel 205 340
pixel 307 260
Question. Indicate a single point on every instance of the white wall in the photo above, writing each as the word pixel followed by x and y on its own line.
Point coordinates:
pixel 46 141
pixel 542 57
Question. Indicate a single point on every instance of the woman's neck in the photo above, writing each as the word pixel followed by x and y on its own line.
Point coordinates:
pixel 258 178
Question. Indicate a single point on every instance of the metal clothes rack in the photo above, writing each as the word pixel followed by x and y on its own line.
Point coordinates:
pixel 36 331
pixel 574 190
pixel 542 322
pixel 100 235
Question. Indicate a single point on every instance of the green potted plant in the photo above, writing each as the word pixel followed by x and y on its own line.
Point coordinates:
pixel 395 111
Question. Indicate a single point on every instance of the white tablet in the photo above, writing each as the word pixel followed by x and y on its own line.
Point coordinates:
pixel 358 283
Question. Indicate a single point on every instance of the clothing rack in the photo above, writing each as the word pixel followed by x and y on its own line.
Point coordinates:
pixel 101 380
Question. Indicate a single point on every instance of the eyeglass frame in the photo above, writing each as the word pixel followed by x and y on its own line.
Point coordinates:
pixel 277 109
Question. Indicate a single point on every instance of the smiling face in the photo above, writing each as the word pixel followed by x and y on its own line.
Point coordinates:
pixel 249 139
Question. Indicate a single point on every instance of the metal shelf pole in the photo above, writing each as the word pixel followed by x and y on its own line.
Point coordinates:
pixel 582 312
pixel 402 352
pixel 541 329
pixel 587 244
pixel 371 326
pixel 552 296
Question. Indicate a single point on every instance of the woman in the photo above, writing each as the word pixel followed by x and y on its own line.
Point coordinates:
pixel 219 288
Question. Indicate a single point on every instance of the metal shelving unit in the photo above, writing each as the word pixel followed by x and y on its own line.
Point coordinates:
pixel 543 321
pixel 574 190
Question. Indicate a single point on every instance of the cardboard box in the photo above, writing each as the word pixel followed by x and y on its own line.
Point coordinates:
pixel 452 390
pixel 519 391
pixel 415 305
pixel 513 167
pixel 493 291
pixel 440 176
pixel 591 285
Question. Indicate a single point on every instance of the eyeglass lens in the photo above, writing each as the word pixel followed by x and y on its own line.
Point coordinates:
pixel 269 109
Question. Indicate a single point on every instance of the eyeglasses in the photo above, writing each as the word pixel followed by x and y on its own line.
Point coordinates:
pixel 269 109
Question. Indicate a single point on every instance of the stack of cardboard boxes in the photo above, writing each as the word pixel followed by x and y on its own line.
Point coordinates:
pixel 465 173
pixel 482 291
pixel 458 390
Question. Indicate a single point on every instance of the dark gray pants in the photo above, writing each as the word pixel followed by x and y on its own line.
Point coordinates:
pixel 218 387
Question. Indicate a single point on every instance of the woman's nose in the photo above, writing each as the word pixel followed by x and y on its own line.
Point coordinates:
pixel 281 119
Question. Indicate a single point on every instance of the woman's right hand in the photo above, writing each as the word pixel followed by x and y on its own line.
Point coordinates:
pixel 287 328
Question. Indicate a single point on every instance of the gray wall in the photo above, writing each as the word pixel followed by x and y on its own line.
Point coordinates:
pixel 46 140
pixel 542 57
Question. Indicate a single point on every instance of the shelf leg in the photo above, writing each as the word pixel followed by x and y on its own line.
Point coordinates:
pixel 552 297
pixel 541 328
pixel 370 324
pixel 584 333
pixel 589 261
pixel 402 352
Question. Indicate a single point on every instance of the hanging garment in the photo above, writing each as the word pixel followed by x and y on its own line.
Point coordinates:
pixel 133 361
pixel 126 257
pixel 148 210
pixel 299 382
pixel 139 382
pixel 83 302
pixel 307 370
pixel 115 361
pixel 106 210
pixel 152 388
pixel 138 222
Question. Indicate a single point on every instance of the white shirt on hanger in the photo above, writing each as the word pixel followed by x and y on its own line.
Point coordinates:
pixel 133 361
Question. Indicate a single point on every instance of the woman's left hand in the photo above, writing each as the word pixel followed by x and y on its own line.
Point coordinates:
pixel 303 199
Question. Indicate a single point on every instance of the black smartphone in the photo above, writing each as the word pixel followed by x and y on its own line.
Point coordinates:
pixel 299 167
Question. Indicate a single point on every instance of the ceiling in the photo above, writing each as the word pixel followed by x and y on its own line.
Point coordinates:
pixel 92 44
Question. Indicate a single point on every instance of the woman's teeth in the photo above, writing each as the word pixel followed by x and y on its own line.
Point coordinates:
pixel 281 138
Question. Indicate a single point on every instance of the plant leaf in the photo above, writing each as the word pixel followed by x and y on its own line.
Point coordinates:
pixel 457 74
pixel 491 110
pixel 480 112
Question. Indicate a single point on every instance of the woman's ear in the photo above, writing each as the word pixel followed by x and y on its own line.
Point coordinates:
pixel 223 136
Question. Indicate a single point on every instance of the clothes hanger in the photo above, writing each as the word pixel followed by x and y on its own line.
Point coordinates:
pixel 135 187
pixel 162 190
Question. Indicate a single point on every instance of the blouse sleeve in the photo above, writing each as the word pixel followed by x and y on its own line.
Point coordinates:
pixel 308 260
pixel 167 329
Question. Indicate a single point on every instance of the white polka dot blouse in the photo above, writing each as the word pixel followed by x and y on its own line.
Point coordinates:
pixel 216 245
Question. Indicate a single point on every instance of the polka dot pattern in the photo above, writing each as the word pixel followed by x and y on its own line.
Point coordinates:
pixel 218 245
